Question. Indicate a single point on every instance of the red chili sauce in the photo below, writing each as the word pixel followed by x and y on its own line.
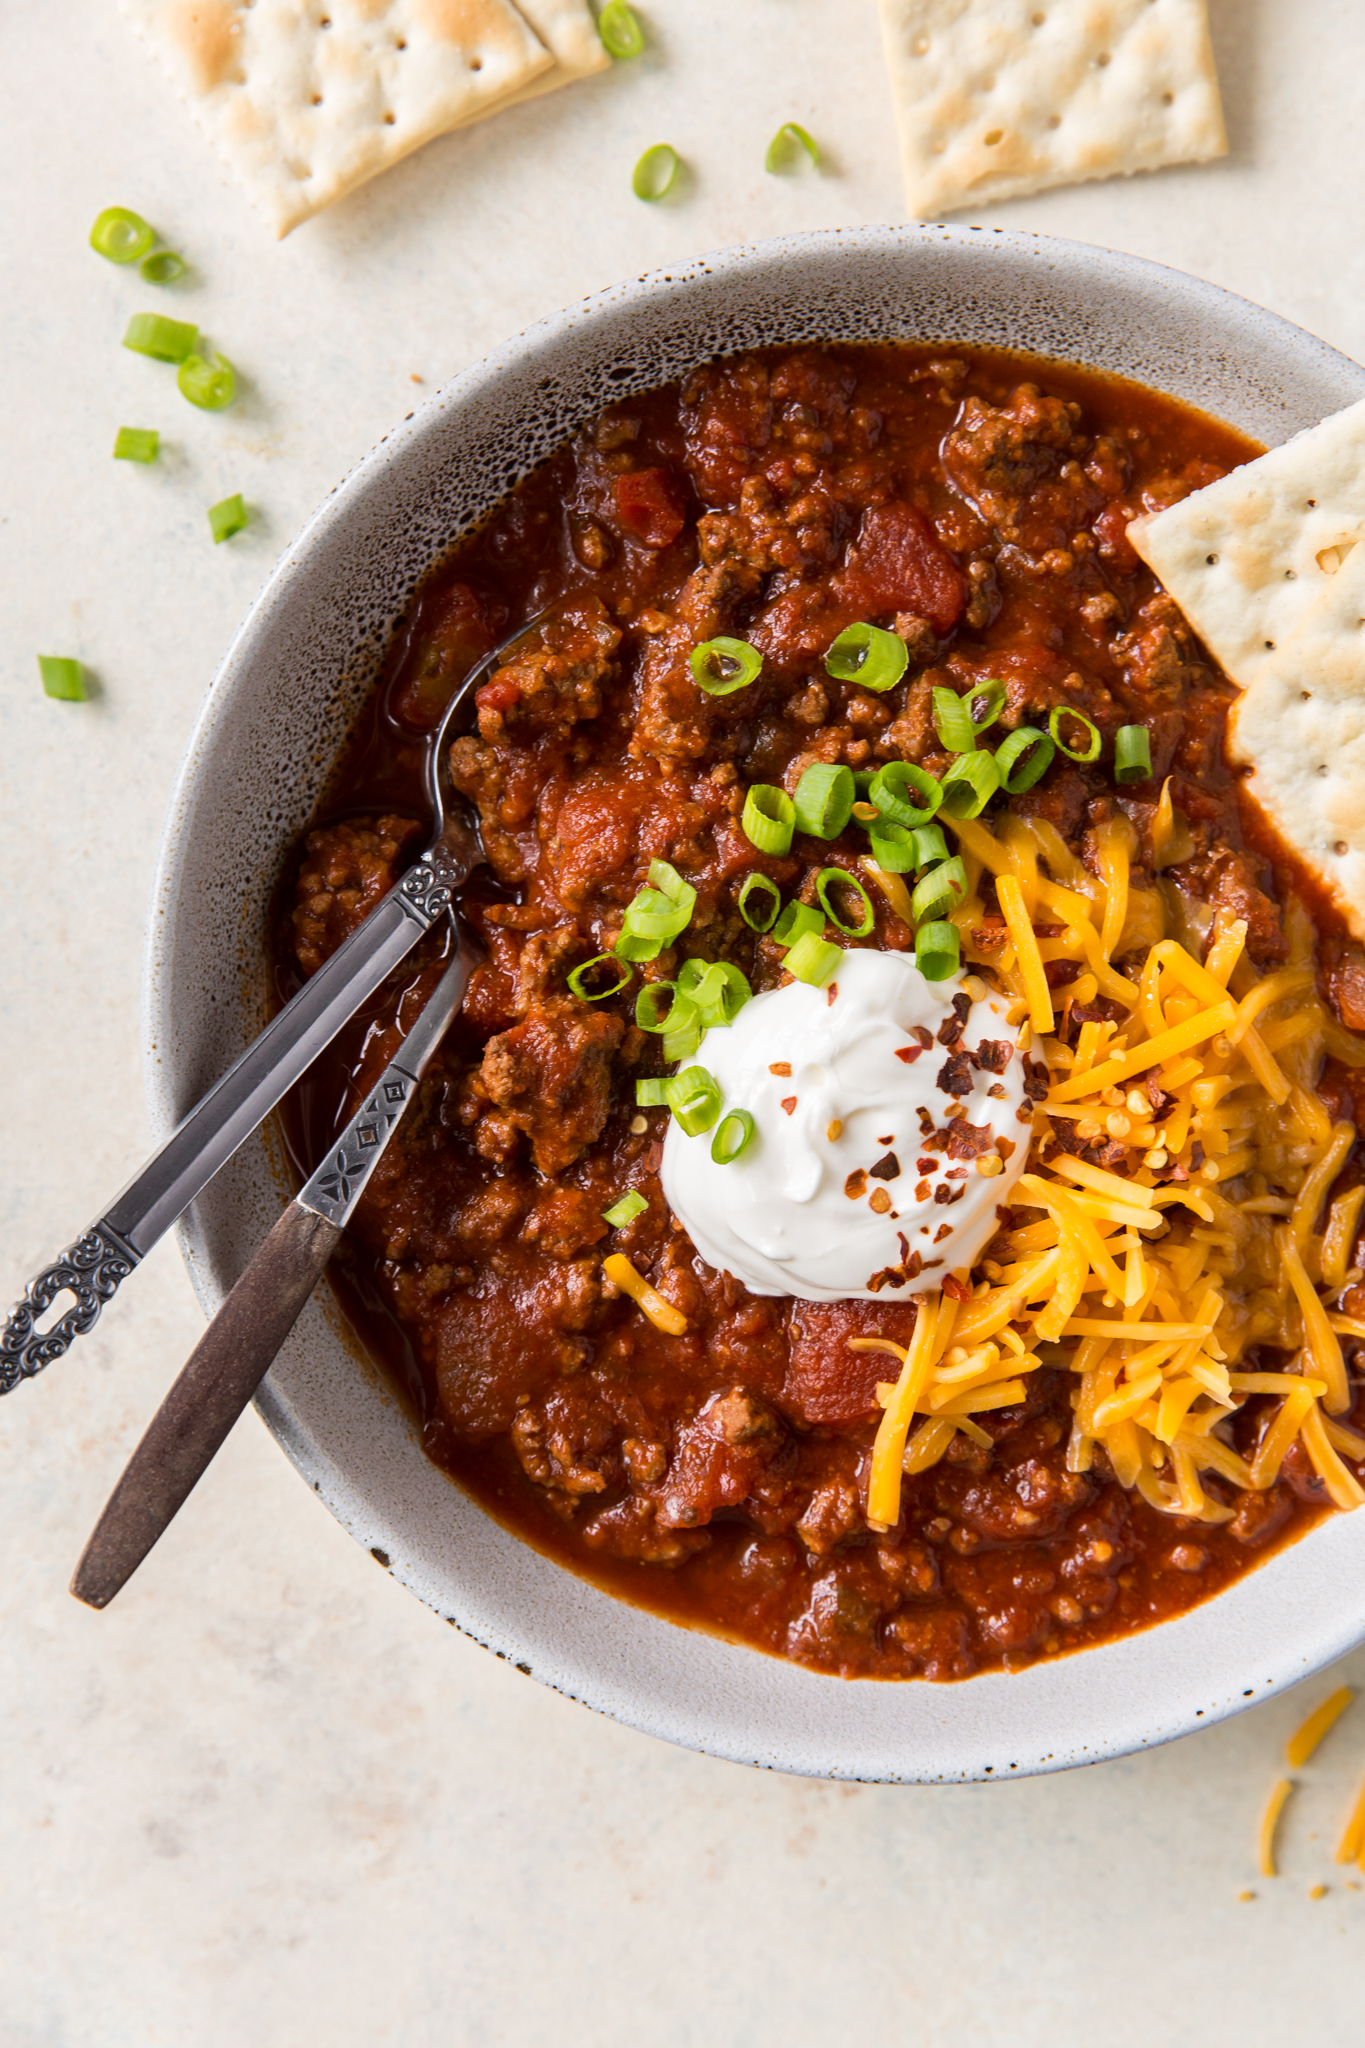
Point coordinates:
pixel 977 505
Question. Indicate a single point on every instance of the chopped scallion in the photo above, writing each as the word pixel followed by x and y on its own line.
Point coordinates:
pixel 891 791
pixel 930 845
pixel 813 959
pixel 796 920
pixel 682 1038
pixel 953 715
pixel 676 1010
pixel 940 891
pixel 1132 754
pixel 656 915
pixel 827 883
pixel 605 969
pixel 136 444
pixel 869 656
pixel 783 150
pixel 938 951
pixel 759 902
pixel 650 1094
pixel 824 800
pixel 717 989
pixel 152 334
pixel 694 1098
pixel 1090 751
pixel 210 382
pixel 1024 758
pixel 164 267
pixel 620 29
pixel 121 235
pixel 63 678
pixel 969 784
pixel 734 1134
pixel 722 666
pixel 656 173
pixel 769 818
pixel 892 846
pixel 227 517
pixel 631 1205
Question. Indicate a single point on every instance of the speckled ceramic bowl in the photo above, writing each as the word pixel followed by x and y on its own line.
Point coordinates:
pixel 270 728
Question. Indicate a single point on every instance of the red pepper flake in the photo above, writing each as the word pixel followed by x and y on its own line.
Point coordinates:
pixel 956 1290
pixel 909 1053
pixel 789 1103
pixel 782 1067
pixel 927 1165
pixel 888 1167
pixel 889 1139
pixel 855 1187
pixel 944 1230
pixel 832 993
pixel 922 1191
pixel 922 1035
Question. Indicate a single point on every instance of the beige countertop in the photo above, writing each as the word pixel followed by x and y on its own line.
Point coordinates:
pixel 267 1798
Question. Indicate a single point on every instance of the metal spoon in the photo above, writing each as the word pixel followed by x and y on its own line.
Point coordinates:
pixel 105 1254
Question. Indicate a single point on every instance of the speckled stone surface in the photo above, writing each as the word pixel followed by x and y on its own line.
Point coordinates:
pixel 267 1797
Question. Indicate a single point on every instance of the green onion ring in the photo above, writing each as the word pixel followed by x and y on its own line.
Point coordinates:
pixel 168 341
pixel 813 959
pixel 227 517
pixel 620 30
pixel 163 268
pixel 717 989
pixel 942 889
pixel 647 1014
pixel 722 666
pixel 1024 758
pixel 889 789
pixel 830 879
pixel 63 678
pixel 121 235
pixel 893 847
pixel 824 800
pixel 694 1098
pixel 769 818
pixel 680 1041
pixel 578 980
pixel 210 382
pixel 953 720
pixel 136 444
pixel 656 173
pixel 651 1094
pixel 930 845
pixel 782 150
pixel 970 784
pixel 1132 754
pixel 938 951
pixel 796 920
pixel 869 656
pixel 728 1143
pixel 1054 721
pixel 664 877
pixel 631 1205
pixel 754 885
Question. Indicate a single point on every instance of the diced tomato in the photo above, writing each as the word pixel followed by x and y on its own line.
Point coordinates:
pixel 897 564
pixel 499 695
pixel 651 506
pixel 826 1381
pixel 455 626
pixel 1111 531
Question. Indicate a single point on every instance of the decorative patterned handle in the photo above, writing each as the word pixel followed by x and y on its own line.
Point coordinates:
pixel 91 1269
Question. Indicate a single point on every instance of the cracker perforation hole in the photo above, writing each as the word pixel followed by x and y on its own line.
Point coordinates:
pixel 1291 575
pixel 389 120
pixel 996 135
pixel 1168 99
pixel 1212 561
pixel 920 47
pixel 1038 20
pixel 1340 846
pixel 1102 59
pixel 317 99
pixel 1054 120
pixel 476 63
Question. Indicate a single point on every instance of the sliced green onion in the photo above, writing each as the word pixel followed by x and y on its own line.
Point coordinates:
pixel 62 677
pixel 769 818
pixel 656 915
pixel 1023 759
pixel 677 1011
pixel 164 267
pixel 970 784
pixel 717 989
pixel 227 517
pixel 830 879
pixel 664 877
pixel 136 444
pixel 796 920
pixel 625 1211
pixel 893 846
pixel 152 334
pixel 121 235
pixel 656 173
pixel 938 951
pixel 869 656
pixel 942 889
pixel 722 666
pixel 752 913
pixel 953 720
pixel 681 1040
pixel 824 800
pixel 734 1134
pixel 1091 749
pixel 210 382
pixel 694 1098
pixel 782 150
pixel 890 792
pixel 620 30
pixel 581 979
pixel 813 959
pixel 651 1094
pixel 1132 754
pixel 930 845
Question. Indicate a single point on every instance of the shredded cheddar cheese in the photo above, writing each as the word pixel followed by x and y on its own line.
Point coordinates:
pixel 1309 1734
pixel 1270 1821
pixel 660 1312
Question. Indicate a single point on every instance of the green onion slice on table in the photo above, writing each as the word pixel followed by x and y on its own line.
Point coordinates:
pixel 759 902
pixel 768 818
pixel 1023 759
pixel 620 30
pixel 722 666
pixel 828 883
pixel 152 334
pixel 785 148
pixel 210 382
pixel 164 267
pixel 1089 750
pixel 656 173
pixel 734 1134
pixel 121 235
pixel 938 951
pixel 1132 754
pixel 63 678
pixel 227 517
pixel 893 788
pixel 630 1205
pixel 868 656
pixel 136 444
pixel 824 800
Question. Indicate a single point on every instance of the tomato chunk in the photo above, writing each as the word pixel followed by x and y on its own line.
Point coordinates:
pixel 651 506
pixel 898 564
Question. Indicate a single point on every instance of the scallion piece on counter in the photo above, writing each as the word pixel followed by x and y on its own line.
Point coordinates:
pixel 163 267
pixel 650 1094
pixel 813 959
pixel 831 880
pixel 869 656
pixel 938 951
pixel 784 149
pixel 892 847
pixel 631 1205
pixel 759 902
pixel 734 1134
pixel 694 1098
pixel 891 791
pixel 121 235
pixel 596 979
pixel 656 173
pixel 969 784
pixel 796 920
pixel 768 818
pixel 1132 754
pixel 227 517
pixel 152 334
pixel 620 30
pixel 1090 751
pixel 940 891
pixel 62 678
pixel 824 800
pixel 136 444
pixel 722 666
pixel 210 382
pixel 1024 758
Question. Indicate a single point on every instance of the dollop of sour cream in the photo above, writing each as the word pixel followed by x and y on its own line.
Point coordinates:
pixel 873 1101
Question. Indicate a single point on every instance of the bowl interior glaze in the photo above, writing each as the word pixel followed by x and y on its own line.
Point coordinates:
pixel 269 731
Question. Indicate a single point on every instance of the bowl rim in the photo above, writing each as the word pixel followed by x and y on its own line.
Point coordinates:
pixel 697 1695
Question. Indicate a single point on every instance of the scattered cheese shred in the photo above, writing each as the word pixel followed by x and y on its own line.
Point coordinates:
pixel 1349 1847
pixel 660 1312
pixel 1270 1821
pixel 1309 1734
